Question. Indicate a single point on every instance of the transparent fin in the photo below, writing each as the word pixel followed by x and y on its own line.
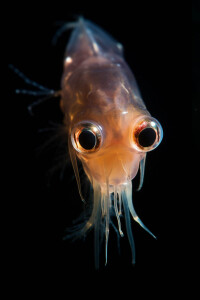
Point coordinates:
pixel 75 167
pixel 133 212
pixel 142 168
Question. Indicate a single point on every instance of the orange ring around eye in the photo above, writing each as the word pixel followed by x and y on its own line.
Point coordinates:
pixel 90 127
pixel 143 123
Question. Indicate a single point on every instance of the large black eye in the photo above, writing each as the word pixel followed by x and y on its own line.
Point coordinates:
pixel 86 137
pixel 147 134
pixel 147 137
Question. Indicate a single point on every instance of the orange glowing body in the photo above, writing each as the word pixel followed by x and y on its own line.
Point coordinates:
pixel 102 104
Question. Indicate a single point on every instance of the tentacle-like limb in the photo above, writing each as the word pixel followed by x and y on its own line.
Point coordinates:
pixel 132 210
pixel 65 27
pixel 75 167
pixel 117 212
pixel 42 90
pixel 142 168
pixel 107 220
pixel 95 220
pixel 128 224
pixel 29 81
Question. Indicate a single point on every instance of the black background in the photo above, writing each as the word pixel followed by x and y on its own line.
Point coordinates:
pixel 41 206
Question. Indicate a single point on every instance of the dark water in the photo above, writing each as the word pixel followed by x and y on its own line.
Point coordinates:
pixel 40 206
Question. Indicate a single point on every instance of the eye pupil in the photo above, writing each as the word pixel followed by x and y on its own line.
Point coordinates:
pixel 87 139
pixel 147 137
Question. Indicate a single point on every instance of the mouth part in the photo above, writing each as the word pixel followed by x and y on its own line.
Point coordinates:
pixel 111 201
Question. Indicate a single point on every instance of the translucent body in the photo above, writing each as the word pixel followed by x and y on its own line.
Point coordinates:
pixel 98 87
